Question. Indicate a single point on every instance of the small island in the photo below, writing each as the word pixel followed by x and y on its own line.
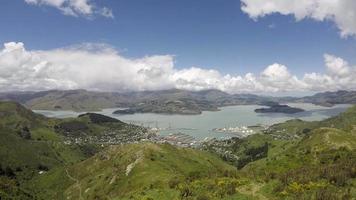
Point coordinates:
pixel 324 104
pixel 278 108
pixel 125 111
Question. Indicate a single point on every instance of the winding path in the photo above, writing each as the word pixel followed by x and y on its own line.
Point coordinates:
pixel 252 190
pixel 76 182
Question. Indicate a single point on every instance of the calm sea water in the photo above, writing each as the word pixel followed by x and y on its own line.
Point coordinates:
pixel 200 126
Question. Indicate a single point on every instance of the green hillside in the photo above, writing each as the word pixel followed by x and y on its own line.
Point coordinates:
pixel 144 171
pixel 297 128
pixel 31 144
pixel 322 165
pixel 298 159
pixel 88 158
pixel 28 139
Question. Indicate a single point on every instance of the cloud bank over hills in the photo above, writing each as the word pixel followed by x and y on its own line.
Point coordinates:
pixel 101 67
pixel 341 12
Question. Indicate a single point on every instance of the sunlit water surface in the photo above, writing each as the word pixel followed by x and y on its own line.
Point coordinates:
pixel 200 126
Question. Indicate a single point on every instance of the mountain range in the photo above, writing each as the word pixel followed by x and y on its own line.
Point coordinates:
pixel 172 101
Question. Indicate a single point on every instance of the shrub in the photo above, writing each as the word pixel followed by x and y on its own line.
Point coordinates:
pixel 185 191
pixel 325 194
pixel 202 197
pixel 25 133
pixel 227 186
pixel 193 175
pixel 71 126
pixel 9 172
pixel 252 154
pixel 2 172
pixel 42 167
pixel 173 183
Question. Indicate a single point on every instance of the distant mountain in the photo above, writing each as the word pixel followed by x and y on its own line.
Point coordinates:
pixel 78 100
pixel 164 101
pixel 331 98
pixel 173 101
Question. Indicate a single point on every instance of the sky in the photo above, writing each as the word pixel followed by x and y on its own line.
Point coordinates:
pixel 254 46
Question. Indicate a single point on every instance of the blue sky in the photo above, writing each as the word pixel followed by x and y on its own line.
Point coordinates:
pixel 209 34
pixel 203 33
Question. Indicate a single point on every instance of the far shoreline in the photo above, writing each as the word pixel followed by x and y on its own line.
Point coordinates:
pixel 165 113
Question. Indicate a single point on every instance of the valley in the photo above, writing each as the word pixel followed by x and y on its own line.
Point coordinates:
pixel 178 100
pixel 93 156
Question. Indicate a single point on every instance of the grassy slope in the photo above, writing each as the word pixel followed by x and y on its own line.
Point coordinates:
pixel 43 149
pixel 344 121
pixel 311 160
pixel 44 146
pixel 320 164
pixel 27 156
pixel 304 159
pixel 159 172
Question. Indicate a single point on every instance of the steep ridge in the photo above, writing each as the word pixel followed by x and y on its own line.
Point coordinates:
pixel 148 171
pixel 31 144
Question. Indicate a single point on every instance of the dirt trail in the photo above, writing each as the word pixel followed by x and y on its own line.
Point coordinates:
pixel 77 183
pixel 139 158
pixel 252 190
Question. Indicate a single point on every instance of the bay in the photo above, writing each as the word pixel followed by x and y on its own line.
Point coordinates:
pixel 200 126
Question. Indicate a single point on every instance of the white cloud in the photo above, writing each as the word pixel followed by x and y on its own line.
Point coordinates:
pixel 339 75
pixel 336 66
pixel 74 7
pixel 106 12
pixel 341 12
pixel 100 67
pixel 276 77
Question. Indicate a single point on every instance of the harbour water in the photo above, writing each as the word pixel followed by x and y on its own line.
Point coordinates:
pixel 201 126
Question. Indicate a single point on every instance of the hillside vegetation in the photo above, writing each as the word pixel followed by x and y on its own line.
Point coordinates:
pixel 31 144
pixel 145 171
pixel 298 159
pixel 43 158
